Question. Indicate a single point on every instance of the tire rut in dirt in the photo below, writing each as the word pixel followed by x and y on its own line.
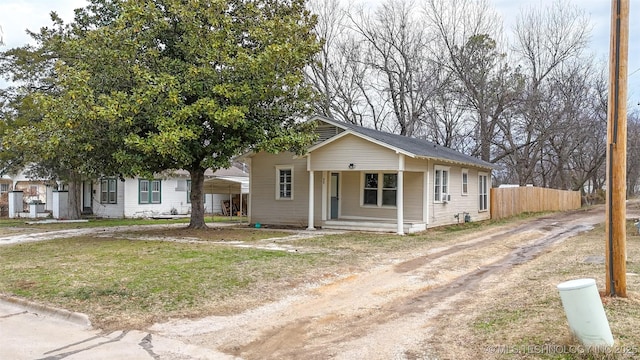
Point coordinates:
pixel 316 338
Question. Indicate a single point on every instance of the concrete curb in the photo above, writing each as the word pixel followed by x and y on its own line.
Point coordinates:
pixel 62 314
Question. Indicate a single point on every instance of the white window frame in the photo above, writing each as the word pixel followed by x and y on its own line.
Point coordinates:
pixel 394 189
pixel 380 189
pixel 441 182
pixel 483 192
pixel 363 188
pixel 465 182
pixel 280 168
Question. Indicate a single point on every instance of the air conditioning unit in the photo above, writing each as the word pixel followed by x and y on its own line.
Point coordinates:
pixel 446 198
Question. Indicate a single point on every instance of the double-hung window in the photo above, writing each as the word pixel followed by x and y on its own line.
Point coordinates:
pixel 483 192
pixel 370 189
pixel 149 191
pixel 440 183
pixel 108 191
pixel 465 182
pixel 284 182
pixel 376 193
pixel 389 189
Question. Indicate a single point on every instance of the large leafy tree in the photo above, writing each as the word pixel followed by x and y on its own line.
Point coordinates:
pixel 50 115
pixel 187 84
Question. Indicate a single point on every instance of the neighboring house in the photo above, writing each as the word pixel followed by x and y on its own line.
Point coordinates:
pixel 166 194
pixel 365 179
pixel 34 190
pixel 110 197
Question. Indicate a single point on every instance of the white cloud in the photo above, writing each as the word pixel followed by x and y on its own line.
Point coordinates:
pixel 17 16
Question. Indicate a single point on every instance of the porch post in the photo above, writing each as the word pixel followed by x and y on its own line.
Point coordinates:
pixel 400 195
pixel 311 200
pixel 311 192
pixel 324 195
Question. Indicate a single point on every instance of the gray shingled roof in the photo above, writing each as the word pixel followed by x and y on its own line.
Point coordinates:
pixel 417 147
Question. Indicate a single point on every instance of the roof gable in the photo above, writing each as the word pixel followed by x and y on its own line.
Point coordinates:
pixel 401 144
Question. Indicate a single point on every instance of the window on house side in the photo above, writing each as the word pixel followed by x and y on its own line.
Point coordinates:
pixel 284 183
pixel 108 191
pixel 465 182
pixel 483 192
pixel 441 183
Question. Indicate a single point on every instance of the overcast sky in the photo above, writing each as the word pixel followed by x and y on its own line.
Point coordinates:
pixel 18 15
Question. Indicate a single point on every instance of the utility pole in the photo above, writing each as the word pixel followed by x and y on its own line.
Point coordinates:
pixel 616 211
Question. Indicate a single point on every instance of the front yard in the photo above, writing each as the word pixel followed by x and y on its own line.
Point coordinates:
pixel 133 279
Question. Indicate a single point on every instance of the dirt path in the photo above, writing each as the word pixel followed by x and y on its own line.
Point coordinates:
pixel 388 312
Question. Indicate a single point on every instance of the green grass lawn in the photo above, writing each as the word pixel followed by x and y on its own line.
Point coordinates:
pixel 131 283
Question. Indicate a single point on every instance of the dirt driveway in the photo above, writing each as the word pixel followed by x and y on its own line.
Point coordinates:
pixel 394 310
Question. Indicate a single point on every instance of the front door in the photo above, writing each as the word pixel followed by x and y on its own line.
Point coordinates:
pixel 335 177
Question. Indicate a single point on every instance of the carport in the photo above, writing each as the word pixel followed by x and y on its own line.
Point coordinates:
pixel 229 187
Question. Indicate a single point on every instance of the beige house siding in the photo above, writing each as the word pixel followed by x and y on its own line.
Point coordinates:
pixel 352 198
pixel 444 213
pixel 351 149
pixel 413 196
pixel 413 164
pixel 265 209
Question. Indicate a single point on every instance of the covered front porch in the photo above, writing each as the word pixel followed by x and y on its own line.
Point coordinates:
pixel 368 200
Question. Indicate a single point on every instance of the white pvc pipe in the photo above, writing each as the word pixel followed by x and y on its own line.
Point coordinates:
pixel 585 313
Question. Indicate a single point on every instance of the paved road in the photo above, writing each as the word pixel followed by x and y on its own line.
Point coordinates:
pixel 28 333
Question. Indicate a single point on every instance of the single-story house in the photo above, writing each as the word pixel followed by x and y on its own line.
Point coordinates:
pixel 363 179
pixel 167 194
pixel 111 197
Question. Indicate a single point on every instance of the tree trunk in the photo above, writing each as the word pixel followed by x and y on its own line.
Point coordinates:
pixel 75 186
pixel 197 199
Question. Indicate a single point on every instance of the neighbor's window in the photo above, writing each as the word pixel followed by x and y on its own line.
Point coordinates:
pixel 4 188
pixel 149 191
pixel 465 181
pixel 370 189
pixel 440 183
pixel 188 191
pixel 108 191
pixel 483 192
pixel 284 182
pixel 378 193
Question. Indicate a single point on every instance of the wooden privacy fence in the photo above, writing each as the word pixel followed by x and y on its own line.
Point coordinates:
pixel 506 202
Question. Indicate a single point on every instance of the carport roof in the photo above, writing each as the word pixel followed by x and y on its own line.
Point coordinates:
pixel 232 171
